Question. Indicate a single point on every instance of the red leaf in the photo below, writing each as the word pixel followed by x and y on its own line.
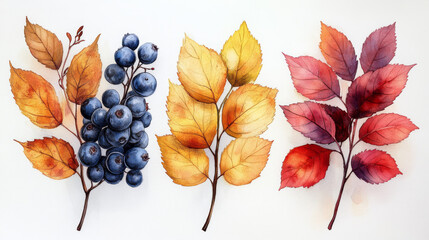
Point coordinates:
pixel 311 119
pixel 374 91
pixel 304 166
pixel 374 166
pixel 338 52
pixel 313 78
pixel 378 49
pixel 386 129
pixel 342 122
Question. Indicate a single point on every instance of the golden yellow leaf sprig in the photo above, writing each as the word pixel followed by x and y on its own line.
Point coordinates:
pixel 196 108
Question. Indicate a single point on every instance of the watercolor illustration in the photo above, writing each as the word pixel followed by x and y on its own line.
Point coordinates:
pixel 367 95
pixel 199 116
pixel 120 129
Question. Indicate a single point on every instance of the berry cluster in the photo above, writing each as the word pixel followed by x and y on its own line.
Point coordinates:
pixel 121 128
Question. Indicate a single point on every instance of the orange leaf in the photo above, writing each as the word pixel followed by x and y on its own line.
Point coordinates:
pixel 53 157
pixel 243 160
pixel 44 45
pixel 186 166
pixel 84 74
pixel 249 110
pixel 193 123
pixel 338 52
pixel 201 71
pixel 35 98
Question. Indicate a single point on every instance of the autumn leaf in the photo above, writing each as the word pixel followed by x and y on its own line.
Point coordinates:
pixel 378 49
pixel 201 71
pixel 374 166
pixel 243 160
pixel 311 119
pixel 44 45
pixel 313 78
pixel 242 56
pixel 185 166
pixel 193 123
pixel 386 129
pixel 35 98
pixel 84 74
pixel 249 110
pixel 342 122
pixel 374 91
pixel 53 157
pixel 304 166
pixel 338 52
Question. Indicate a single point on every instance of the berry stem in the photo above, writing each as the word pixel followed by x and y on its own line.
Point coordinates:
pixel 85 207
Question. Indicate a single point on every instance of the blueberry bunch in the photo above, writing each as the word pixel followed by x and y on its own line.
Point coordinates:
pixel 121 128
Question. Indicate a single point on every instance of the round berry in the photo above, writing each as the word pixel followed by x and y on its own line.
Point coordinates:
pixel 96 173
pixel 144 84
pixel 89 132
pixel 117 138
pixel 102 140
pixel 99 117
pixel 110 98
pixel 130 40
pixel 148 53
pixel 115 163
pixel 125 57
pixel 89 154
pixel 137 105
pixel 119 117
pixel 89 106
pixel 86 120
pixel 136 158
pixel 146 119
pixel 137 130
pixel 114 74
pixel 114 149
pixel 112 178
pixel 134 178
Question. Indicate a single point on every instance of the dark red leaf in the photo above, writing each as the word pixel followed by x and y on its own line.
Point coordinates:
pixel 374 91
pixel 342 122
pixel 313 78
pixel 305 166
pixel 79 30
pixel 374 166
pixel 311 119
pixel 338 52
pixel 378 49
pixel 386 129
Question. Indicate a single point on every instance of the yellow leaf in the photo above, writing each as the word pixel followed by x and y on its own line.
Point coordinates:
pixel 185 166
pixel 84 74
pixel 44 45
pixel 201 71
pixel 53 157
pixel 193 123
pixel 35 98
pixel 249 110
pixel 243 160
pixel 243 57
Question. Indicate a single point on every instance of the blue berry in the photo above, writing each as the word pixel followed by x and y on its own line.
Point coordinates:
pixel 146 119
pixel 130 40
pixel 102 140
pixel 119 117
pixel 148 53
pixel 89 154
pixel 96 173
pixel 89 106
pixel 112 178
pixel 144 141
pixel 89 132
pixel 137 105
pixel 134 178
pixel 117 138
pixel 114 149
pixel 125 57
pixel 137 130
pixel 99 117
pixel 86 120
pixel 144 84
pixel 115 163
pixel 136 158
pixel 110 98
pixel 114 74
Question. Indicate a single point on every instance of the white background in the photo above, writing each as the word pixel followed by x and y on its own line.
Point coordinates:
pixel 33 206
